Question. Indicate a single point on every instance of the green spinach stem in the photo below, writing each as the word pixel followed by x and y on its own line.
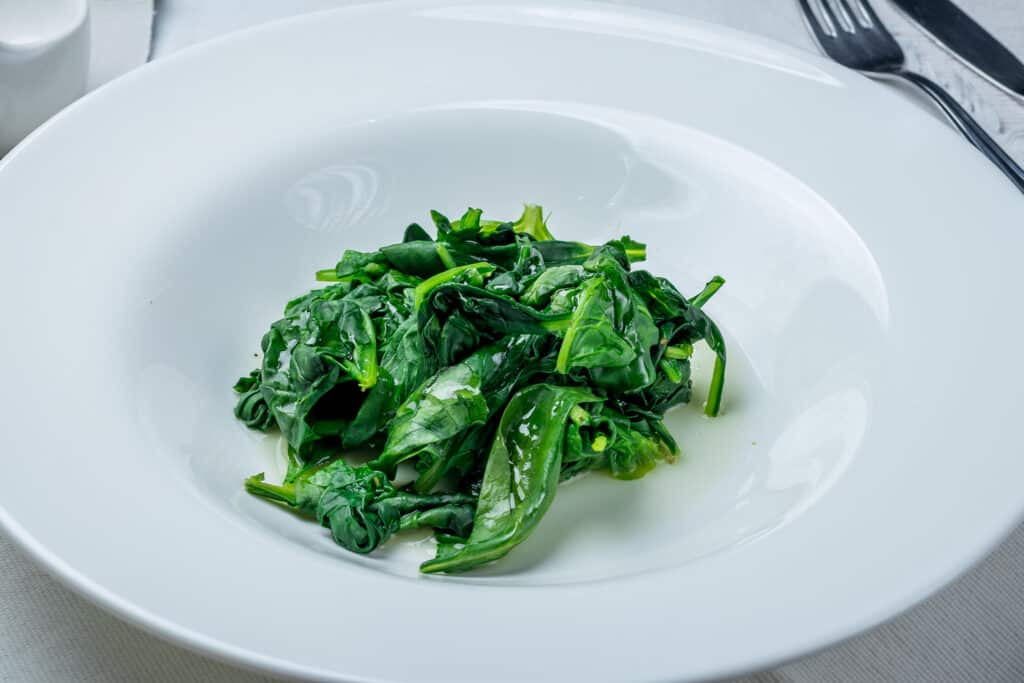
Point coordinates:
pixel 714 403
pixel 284 493
pixel 709 291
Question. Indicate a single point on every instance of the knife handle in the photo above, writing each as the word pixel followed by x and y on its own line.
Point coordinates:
pixel 970 128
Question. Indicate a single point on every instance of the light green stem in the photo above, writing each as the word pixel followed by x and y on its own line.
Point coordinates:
pixel 709 290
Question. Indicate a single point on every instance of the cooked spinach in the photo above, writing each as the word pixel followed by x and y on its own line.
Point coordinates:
pixel 493 358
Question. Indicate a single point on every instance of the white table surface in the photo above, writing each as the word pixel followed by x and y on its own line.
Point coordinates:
pixel 971 631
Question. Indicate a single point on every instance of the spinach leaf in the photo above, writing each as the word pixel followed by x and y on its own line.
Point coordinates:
pixel 403 367
pixel 361 508
pixel 559 253
pixel 591 340
pixel 532 223
pixel 528 265
pixel 421 258
pixel 627 447
pixel 441 408
pixel 495 359
pixel 456 318
pixel 415 233
pixel 611 331
pixel 324 348
pixel 252 408
pixel 683 323
pixel 521 476
pixel 503 367
pixel 473 274
pixel 355 266
pixel 555 278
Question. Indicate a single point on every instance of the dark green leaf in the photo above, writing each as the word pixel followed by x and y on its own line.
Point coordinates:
pixel 495 359
pixel 415 233
pixel 521 476
pixel 361 508
pixel 252 408
pixel 441 408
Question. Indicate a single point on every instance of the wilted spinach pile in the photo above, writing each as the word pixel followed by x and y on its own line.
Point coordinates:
pixel 495 359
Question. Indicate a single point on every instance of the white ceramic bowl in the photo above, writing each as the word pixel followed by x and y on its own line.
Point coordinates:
pixel 866 455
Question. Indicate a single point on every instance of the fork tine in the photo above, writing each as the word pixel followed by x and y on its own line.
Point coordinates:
pixel 866 11
pixel 829 15
pixel 850 33
pixel 875 22
pixel 851 17
pixel 814 20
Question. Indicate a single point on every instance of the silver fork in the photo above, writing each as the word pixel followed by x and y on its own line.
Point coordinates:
pixel 850 33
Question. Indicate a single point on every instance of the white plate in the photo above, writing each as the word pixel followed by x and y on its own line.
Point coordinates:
pixel 867 454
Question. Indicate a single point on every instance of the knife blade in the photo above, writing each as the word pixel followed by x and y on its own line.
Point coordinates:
pixel 952 27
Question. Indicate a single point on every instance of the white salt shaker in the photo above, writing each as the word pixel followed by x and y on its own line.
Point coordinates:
pixel 44 62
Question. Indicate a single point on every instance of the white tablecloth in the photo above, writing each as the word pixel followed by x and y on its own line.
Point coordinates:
pixel 971 631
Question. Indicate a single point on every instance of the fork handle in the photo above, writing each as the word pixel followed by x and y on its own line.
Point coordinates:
pixel 970 128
